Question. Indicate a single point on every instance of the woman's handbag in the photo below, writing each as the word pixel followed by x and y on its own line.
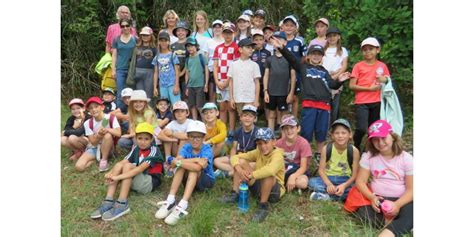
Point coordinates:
pixel 131 70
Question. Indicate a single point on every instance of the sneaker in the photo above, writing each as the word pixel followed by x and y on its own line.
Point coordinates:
pixel 104 207
pixel 119 209
pixel 174 217
pixel 221 174
pixel 261 214
pixel 103 165
pixel 233 197
pixel 165 209
pixel 229 139
pixel 319 196
pixel 97 153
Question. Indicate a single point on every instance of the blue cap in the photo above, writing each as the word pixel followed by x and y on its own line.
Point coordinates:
pixel 280 34
pixel 192 41
pixel 265 134
pixel 247 12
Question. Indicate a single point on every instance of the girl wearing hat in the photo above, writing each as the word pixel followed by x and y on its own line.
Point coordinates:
pixel 146 51
pixel 208 50
pixel 391 187
pixel 73 136
pixel 243 28
pixel 321 26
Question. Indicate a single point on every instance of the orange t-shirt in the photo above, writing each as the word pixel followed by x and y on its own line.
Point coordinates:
pixel 365 75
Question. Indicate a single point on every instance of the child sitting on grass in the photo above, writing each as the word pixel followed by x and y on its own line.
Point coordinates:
pixel 216 129
pixel 73 133
pixel 140 171
pixel 338 165
pixel 163 113
pixel 108 96
pixel 193 169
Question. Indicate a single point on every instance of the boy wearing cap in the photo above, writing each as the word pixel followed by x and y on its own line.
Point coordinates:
pixel 366 78
pixel 178 48
pixel 297 153
pixel 163 113
pixel 73 133
pixel 258 20
pixel 193 169
pixel 224 55
pixel 215 128
pixel 267 33
pixel 266 181
pixel 196 77
pixel 260 56
pixel 244 140
pixel 321 26
pixel 108 96
pixel 244 77
pixel 140 171
pixel 100 129
pixel 122 110
pixel 279 83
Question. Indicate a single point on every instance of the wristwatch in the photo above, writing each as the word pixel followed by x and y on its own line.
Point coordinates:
pixel 178 163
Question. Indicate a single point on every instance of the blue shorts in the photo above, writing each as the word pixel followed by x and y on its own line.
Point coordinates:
pixel 314 121
pixel 204 182
pixel 317 184
pixel 92 150
pixel 167 92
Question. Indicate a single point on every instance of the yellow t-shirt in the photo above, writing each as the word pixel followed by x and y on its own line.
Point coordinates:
pixel 148 113
pixel 217 134
pixel 338 164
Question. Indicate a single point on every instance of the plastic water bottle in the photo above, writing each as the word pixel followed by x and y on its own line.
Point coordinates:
pixel 387 207
pixel 243 198
pixel 169 171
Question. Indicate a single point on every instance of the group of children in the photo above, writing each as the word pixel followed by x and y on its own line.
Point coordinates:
pixel 246 74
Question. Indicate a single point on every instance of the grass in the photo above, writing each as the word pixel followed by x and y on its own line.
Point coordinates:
pixel 294 215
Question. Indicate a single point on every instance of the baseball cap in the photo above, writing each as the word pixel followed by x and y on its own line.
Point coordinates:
pixel 164 35
pixel 228 26
pixel 191 41
pixel 209 105
pixel 216 22
pixel 288 120
pixel 370 41
pixel 144 127
pixel 342 122
pixel 76 101
pixel 139 95
pixel 196 126
pixel 315 48
pixel 323 20
pixel 269 27
pixel 379 128
pixel 184 25
pixel 243 17
pixel 280 34
pixel 249 108
pixel 94 99
pixel 146 31
pixel 292 18
pixel 108 89
pixel 126 92
pixel 246 42
pixel 163 99
pixel 260 12
pixel 180 105
pixel 247 12
pixel 333 30
pixel 264 134
pixel 256 32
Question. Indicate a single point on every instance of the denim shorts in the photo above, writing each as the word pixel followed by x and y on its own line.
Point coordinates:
pixel 92 150
pixel 317 184
pixel 204 182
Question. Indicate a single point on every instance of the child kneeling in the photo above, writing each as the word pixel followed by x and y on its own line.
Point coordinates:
pixel 193 169
pixel 266 181
pixel 140 170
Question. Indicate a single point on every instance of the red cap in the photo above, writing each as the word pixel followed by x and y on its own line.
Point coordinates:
pixel 94 99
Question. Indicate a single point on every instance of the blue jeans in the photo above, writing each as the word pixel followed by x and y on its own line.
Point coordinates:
pixel 167 92
pixel 125 143
pixel 314 121
pixel 120 78
pixel 316 184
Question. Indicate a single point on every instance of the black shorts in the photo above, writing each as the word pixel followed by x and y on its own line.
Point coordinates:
pixel 274 194
pixel 196 97
pixel 277 102
pixel 203 183
pixel 291 168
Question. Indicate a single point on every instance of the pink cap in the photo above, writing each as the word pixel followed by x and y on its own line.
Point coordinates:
pixel 180 105
pixel 379 128
pixel 76 101
pixel 323 20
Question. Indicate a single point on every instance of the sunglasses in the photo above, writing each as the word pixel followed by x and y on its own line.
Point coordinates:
pixel 123 26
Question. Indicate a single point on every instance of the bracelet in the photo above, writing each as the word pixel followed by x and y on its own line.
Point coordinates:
pixel 178 163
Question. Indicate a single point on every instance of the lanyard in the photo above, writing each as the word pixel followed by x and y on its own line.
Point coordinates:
pixel 250 138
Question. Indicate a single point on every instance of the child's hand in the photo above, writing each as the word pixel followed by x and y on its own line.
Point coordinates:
pixel 340 189
pixel 291 183
pixel 127 135
pixel 289 98
pixel 344 76
pixel 77 123
pixel 205 88
pixel 375 202
pixel 375 87
pixel 113 73
pixel 232 103
pixel 266 97
pixel 155 92
pixel 256 103
pixel 186 92
pixel 175 89
pixel 202 163
pixel 381 78
pixel 395 210
pixel 331 189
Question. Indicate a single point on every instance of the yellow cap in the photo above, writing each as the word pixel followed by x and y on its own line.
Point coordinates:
pixel 144 127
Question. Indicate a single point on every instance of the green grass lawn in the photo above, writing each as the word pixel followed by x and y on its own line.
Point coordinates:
pixel 294 215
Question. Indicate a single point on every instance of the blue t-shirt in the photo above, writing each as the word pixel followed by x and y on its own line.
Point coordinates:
pixel 145 56
pixel 165 63
pixel 123 108
pixel 245 140
pixel 166 115
pixel 124 52
pixel 205 152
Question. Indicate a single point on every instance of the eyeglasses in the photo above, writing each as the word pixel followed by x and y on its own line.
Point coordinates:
pixel 195 138
pixel 123 26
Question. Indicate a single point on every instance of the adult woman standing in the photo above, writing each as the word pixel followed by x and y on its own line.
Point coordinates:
pixel 201 31
pixel 170 20
pixel 208 49
pixel 122 49
pixel 146 51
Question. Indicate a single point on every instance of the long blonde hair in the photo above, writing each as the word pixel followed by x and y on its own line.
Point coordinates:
pixel 203 14
pixel 135 115
pixel 167 13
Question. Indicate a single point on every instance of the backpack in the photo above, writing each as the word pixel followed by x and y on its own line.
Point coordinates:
pixel 111 121
pixel 107 80
pixel 350 153
pixel 201 59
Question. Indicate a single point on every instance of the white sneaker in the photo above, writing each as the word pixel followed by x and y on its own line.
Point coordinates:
pixel 174 217
pixel 97 154
pixel 165 209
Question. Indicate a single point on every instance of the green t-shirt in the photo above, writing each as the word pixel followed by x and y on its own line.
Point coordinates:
pixel 196 71
pixel 338 164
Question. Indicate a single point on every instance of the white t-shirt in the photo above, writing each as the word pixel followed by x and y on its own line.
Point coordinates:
pixel 243 75
pixel 209 48
pixel 270 48
pixel 332 61
pixel 97 124
pixel 178 127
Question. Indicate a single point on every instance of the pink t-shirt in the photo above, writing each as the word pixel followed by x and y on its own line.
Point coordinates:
pixel 113 31
pixel 293 154
pixel 225 55
pixel 366 76
pixel 388 175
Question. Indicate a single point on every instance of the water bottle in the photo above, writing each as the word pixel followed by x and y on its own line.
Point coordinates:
pixel 243 198
pixel 169 171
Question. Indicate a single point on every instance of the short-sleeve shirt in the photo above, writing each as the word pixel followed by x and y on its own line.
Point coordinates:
pixel 165 64
pixel 388 175
pixel 114 30
pixel 293 153
pixel 202 38
pixel 148 113
pixel 332 61
pixel 365 75
pixel 98 124
pixel 209 48
pixel 245 140
pixel 109 106
pixel 279 76
pixel 179 51
pixel 243 75
pixel 124 52
pixel 178 127
pixel 196 71
pixel 145 56
pixel 205 152
pixel 260 57
pixel 315 41
pixel 167 115
pixel 225 55
pixel 123 108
